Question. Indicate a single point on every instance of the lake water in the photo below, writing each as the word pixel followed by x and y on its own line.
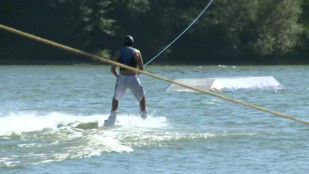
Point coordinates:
pixel 186 132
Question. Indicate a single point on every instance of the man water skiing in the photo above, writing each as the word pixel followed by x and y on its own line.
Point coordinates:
pixel 127 79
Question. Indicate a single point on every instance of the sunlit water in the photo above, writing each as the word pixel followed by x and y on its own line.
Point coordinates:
pixel 185 132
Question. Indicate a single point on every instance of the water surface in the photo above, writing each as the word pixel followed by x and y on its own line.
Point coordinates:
pixel 185 133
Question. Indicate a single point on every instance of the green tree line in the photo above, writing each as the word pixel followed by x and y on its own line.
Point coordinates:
pixel 230 32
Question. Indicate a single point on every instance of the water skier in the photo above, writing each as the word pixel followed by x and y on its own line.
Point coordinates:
pixel 127 78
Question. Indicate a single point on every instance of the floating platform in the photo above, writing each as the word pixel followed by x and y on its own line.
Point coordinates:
pixel 228 84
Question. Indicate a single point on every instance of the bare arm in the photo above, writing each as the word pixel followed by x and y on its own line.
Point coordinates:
pixel 113 68
pixel 139 60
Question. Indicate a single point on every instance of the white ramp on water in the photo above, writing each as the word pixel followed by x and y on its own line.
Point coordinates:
pixel 228 84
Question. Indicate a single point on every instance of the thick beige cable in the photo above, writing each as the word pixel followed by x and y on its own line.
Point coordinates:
pixel 97 58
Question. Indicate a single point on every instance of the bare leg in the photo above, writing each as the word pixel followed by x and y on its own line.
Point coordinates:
pixel 114 104
pixel 142 104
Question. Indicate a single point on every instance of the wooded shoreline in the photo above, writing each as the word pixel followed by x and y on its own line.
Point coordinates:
pixel 230 32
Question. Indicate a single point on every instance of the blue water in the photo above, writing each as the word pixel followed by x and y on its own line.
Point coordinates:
pixel 186 132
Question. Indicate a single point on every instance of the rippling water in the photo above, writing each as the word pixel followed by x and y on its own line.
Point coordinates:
pixel 51 122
